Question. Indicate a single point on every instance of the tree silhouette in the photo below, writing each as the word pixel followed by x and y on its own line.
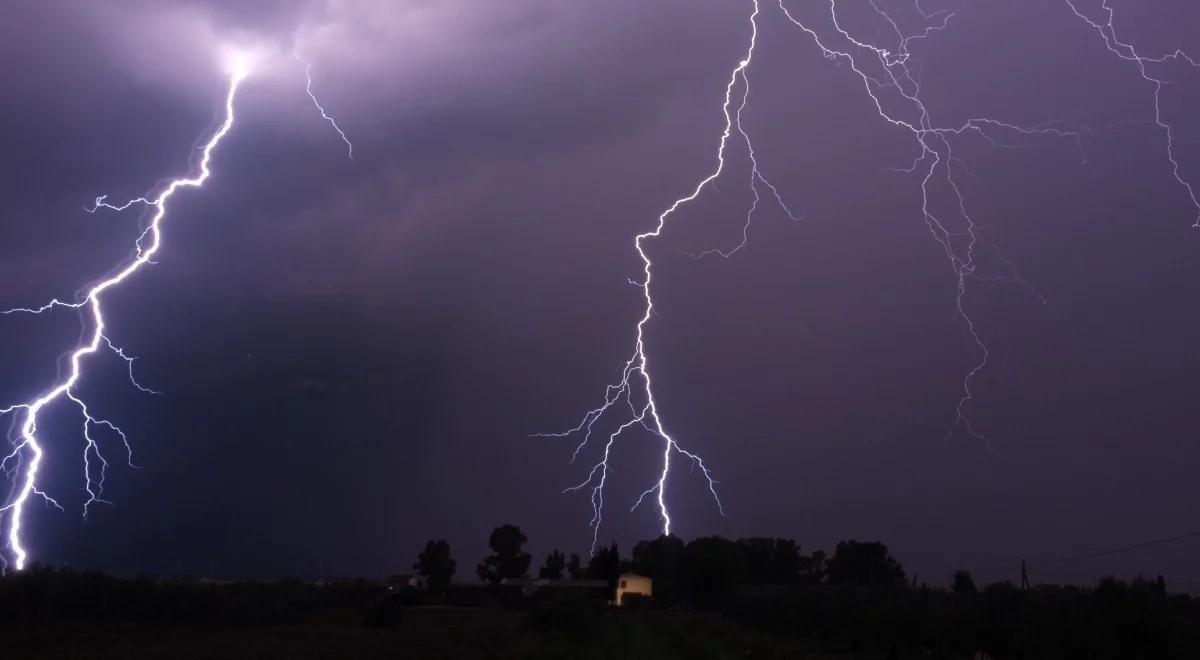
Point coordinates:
pixel 436 565
pixel 605 565
pixel 812 568
pixel 508 558
pixel 555 564
pixel 715 570
pixel 770 561
pixel 961 583
pixel 662 559
pixel 863 564
pixel 575 567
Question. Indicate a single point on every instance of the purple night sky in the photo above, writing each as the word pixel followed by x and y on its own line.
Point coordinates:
pixel 352 354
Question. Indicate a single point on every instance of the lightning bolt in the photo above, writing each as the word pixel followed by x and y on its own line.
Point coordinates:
pixel 892 88
pixel 883 69
pixel 1126 52
pixel 28 451
pixel 635 374
pixel 324 115
pixel 890 85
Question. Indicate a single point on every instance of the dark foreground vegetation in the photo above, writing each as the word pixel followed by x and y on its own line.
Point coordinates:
pixel 713 598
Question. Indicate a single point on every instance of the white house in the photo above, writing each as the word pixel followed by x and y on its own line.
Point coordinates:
pixel 401 582
pixel 634 585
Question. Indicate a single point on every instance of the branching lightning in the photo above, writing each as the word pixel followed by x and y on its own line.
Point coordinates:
pixel 890 85
pixel 885 68
pixel 1126 52
pixel 635 375
pixel 25 459
pixel 28 451
pixel 890 70
pixel 881 69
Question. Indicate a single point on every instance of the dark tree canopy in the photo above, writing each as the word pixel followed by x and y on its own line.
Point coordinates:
pixel 863 564
pixel 962 583
pixel 770 561
pixel 812 568
pixel 553 568
pixel 575 567
pixel 662 559
pixel 715 569
pixel 605 565
pixel 436 565
pixel 508 558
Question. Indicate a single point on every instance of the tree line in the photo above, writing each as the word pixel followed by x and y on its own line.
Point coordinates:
pixel 703 571
pixel 856 600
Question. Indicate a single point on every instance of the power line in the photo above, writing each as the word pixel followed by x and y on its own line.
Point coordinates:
pixel 1128 548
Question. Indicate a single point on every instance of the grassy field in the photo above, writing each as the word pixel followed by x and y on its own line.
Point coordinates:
pixel 423 632
pixel 50 613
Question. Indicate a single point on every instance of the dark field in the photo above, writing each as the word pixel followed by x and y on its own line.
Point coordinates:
pixel 47 613
pixel 425 632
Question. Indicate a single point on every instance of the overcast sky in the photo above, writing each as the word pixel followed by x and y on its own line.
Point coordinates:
pixel 353 353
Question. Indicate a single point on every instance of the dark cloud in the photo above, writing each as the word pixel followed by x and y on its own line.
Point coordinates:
pixel 352 353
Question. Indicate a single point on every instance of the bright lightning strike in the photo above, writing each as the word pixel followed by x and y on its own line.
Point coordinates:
pixel 635 375
pixel 28 450
pixel 895 92
pixel 324 115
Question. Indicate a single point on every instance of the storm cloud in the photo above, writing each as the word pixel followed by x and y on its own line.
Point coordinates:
pixel 352 354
